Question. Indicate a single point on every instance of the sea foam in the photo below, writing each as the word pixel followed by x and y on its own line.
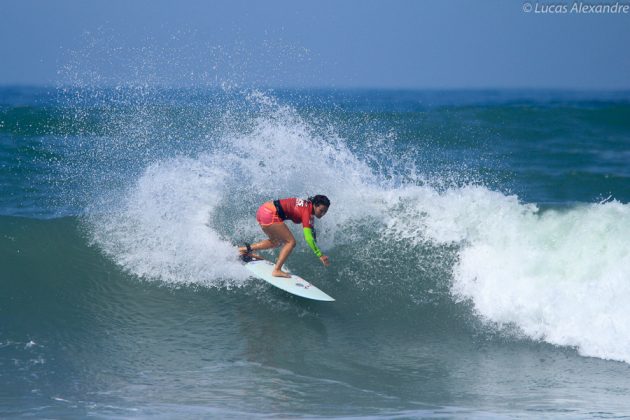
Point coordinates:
pixel 561 276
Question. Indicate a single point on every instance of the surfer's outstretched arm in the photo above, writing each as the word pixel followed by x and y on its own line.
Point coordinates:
pixel 310 240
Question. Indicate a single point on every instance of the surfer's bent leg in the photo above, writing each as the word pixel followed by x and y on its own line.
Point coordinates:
pixel 279 233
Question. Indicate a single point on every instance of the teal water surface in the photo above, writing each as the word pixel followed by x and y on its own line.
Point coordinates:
pixel 479 243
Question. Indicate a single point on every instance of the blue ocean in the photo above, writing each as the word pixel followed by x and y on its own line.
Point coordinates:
pixel 479 245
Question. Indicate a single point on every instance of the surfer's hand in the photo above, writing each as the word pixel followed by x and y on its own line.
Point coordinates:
pixel 324 260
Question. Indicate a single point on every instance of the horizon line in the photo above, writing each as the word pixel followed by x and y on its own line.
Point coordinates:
pixel 4 85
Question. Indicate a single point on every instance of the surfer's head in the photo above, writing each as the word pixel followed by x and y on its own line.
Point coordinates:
pixel 320 205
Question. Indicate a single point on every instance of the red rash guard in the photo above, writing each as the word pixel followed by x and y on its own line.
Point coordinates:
pixel 298 211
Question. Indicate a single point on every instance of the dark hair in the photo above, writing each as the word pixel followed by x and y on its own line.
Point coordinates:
pixel 319 200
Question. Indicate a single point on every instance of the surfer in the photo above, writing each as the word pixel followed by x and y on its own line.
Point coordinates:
pixel 271 216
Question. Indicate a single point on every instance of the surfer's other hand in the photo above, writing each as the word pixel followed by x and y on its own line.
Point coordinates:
pixel 324 260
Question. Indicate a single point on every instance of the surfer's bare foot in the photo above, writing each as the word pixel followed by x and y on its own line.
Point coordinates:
pixel 280 273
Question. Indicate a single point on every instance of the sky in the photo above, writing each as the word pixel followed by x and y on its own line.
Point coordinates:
pixel 395 44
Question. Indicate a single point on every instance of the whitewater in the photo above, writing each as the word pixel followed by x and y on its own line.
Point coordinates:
pixel 558 275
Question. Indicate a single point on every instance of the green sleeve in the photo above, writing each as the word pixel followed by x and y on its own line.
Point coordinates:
pixel 310 240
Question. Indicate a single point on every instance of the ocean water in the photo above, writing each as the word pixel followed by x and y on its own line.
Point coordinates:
pixel 479 240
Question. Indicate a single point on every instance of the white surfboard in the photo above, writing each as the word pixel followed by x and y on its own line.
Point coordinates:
pixel 295 285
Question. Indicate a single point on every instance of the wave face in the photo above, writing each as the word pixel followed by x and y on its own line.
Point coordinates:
pixel 558 275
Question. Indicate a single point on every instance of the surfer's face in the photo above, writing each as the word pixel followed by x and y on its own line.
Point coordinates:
pixel 320 210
